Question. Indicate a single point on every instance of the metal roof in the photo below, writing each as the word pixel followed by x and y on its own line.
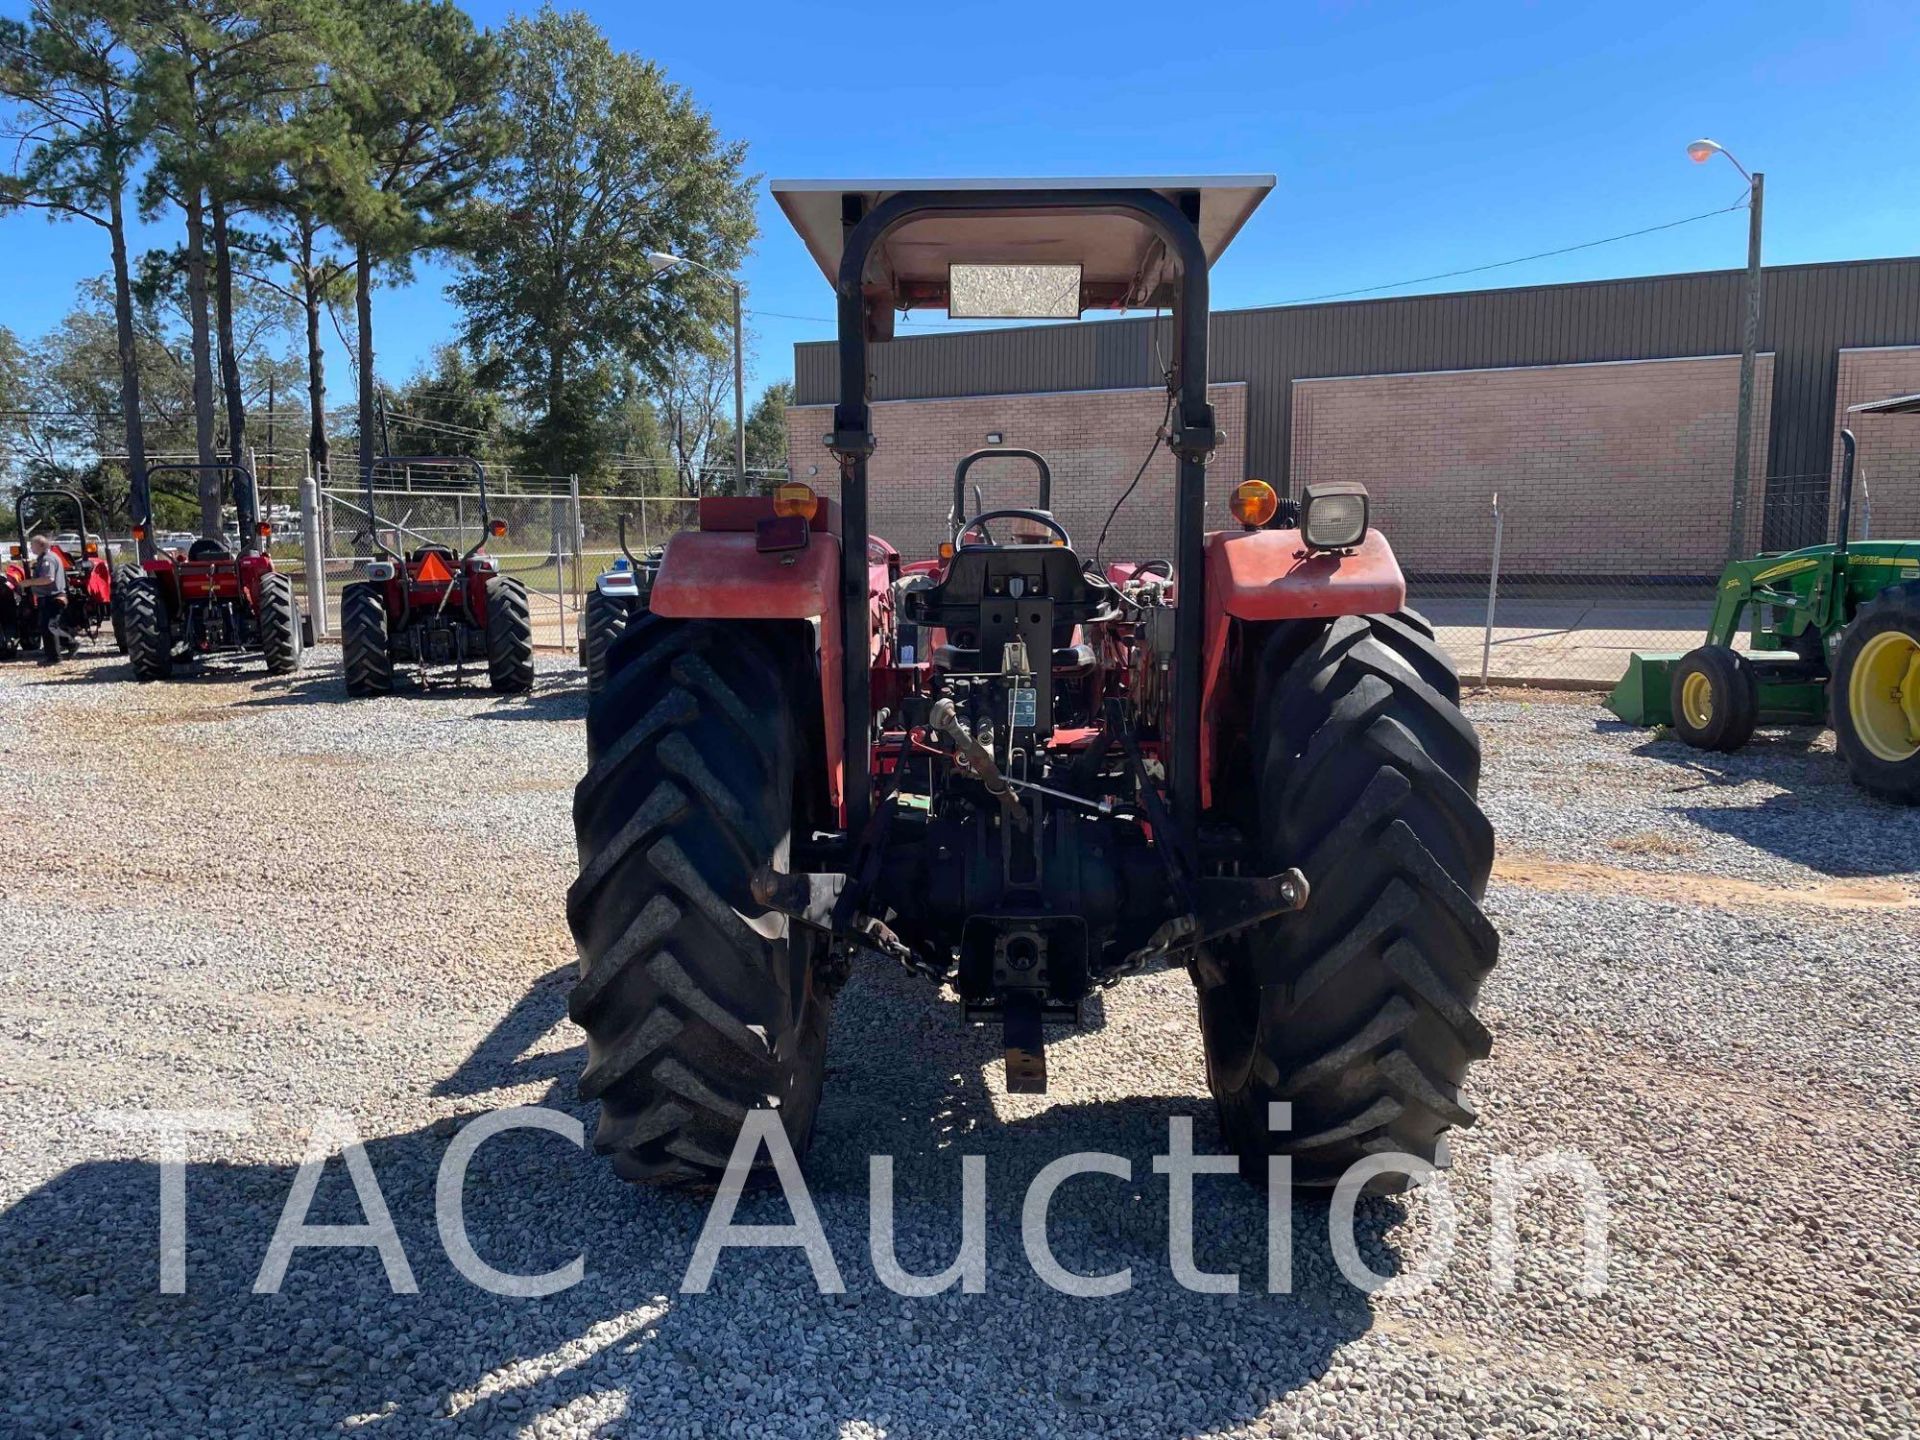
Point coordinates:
pixel 1120 258
pixel 1898 405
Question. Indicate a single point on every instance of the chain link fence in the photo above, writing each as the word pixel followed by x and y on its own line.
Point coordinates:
pixel 556 542
pixel 1525 584
pixel 1543 587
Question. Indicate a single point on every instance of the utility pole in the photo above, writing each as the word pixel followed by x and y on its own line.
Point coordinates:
pixel 1700 152
pixel 1749 345
pixel 739 401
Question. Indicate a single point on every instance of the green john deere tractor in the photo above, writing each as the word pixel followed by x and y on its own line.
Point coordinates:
pixel 1836 640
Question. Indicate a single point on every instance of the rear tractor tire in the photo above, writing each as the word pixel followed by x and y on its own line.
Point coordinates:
pixel 509 636
pixel 149 630
pixel 1715 698
pixel 1876 696
pixel 116 606
pixel 699 1004
pixel 1358 1012
pixel 278 622
pixel 364 657
pixel 604 622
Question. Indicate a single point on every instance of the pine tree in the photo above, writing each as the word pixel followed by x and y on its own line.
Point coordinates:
pixel 67 74
pixel 609 161
pixel 419 94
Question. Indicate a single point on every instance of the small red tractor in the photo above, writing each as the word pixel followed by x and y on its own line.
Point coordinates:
pixel 90 596
pixel 214 597
pixel 433 606
pixel 1024 774
pixel 619 594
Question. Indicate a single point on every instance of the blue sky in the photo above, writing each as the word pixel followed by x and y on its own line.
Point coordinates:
pixel 1408 139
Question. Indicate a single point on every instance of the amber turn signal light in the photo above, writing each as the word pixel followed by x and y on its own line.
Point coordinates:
pixel 1253 503
pixel 793 498
pixel 497 528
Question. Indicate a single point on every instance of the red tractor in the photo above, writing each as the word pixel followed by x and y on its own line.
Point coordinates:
pixel 435 607
pixel 1024 774
pixel 90 597
pixel 215 597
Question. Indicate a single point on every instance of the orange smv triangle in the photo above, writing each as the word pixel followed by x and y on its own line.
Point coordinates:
pixel 433 570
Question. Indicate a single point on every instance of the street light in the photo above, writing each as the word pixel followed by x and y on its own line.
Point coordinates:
pixel 1700 152
pixel 661 262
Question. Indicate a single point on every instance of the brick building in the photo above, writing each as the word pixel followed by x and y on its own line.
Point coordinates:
pixel 1602 414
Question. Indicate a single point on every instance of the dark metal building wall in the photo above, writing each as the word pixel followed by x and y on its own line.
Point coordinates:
pixel 1809 312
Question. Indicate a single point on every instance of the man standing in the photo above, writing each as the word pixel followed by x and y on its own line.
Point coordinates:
pixel 47 584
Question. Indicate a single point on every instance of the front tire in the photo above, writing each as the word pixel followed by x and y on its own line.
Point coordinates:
pixel 364 657
pixel 1715 698
pixel 149 631
pixel 1876 696
pixel 699 1004
pixel 604 622
pixel 278 621
pixel 1358 1012
pixel 509 636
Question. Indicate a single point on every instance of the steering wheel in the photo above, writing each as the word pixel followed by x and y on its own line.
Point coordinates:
pixel 1038 517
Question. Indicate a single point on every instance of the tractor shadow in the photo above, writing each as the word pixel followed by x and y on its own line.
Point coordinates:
pixel 624 1349
pixel 1811 813
pixel 553 697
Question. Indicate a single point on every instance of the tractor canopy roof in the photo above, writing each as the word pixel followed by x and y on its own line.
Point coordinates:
pixel 1039 260
pixel 1897 405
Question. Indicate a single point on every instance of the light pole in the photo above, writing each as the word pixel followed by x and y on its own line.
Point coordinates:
pixel 663 262
pixel 1701 151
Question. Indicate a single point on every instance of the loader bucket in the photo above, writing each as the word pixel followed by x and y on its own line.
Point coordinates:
pixel 1644 694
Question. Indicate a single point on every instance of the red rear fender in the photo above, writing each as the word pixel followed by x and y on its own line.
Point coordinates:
pixel 723 575
pixel 1262 575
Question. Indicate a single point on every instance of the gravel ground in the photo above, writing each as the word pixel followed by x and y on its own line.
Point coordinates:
pixel 240 893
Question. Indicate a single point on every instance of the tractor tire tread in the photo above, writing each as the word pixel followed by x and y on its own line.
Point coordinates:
pixel 1357 1013
pixel 365 659
pixel 1895 608
pixel 698 1004
pixel 278 623
pixel 149 631
pixel 509 636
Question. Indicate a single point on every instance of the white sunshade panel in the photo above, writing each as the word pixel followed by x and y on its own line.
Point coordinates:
pixel 1119 258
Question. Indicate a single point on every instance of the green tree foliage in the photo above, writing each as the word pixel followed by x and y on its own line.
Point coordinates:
pixel 418 91
pixel 607 162
pixel 767 427
pixel 67 79
pixel 447 409
pixel 213 77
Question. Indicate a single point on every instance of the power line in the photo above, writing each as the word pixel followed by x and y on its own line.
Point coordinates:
pixel 1740 204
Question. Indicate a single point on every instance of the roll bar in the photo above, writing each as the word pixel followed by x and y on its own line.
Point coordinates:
pixel 57 493
pixel 959 515
pixel 463 462
pixel 246 498
pixel 1174 223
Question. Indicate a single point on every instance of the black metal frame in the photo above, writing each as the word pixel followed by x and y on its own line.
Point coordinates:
pixel 246 499
pixel 1175 223
pixel 79 504
pixel 959 515
pixel 385 460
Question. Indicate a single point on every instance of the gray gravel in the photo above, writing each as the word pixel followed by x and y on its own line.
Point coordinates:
pixel 260 897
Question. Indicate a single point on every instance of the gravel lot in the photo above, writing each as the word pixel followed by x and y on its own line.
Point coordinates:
pixel 237 893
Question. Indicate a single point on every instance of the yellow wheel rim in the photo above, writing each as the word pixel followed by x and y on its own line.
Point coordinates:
pixel 1883 696
pixel 1696 700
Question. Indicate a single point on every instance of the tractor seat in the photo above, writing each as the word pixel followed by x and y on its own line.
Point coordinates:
pixel 425 550
pixel 205 549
